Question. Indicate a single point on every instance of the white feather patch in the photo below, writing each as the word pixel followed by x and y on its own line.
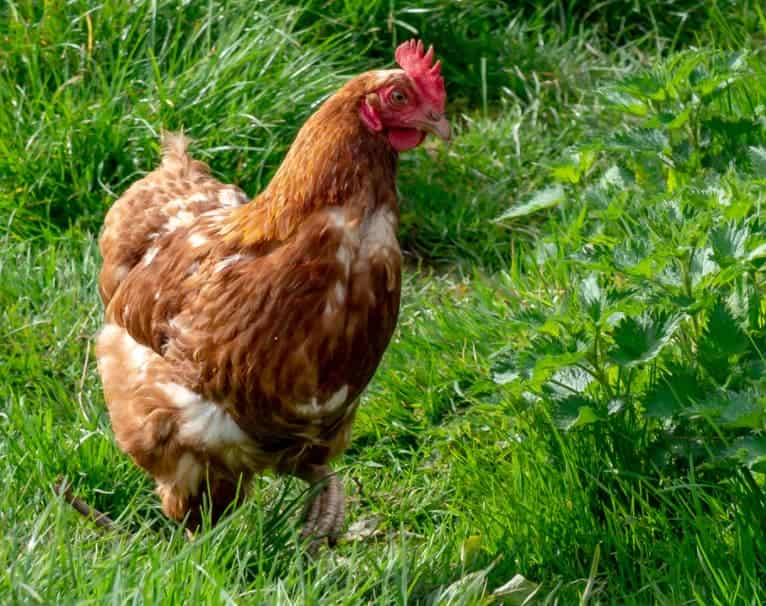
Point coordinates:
pixel 121 272
pixel 123 352
pixel 378 232
pixel 203 423
pixel 197 240
pixel 229 197
pixel 224 263
pixel 182 218
pixel 150 254
pixel 315 409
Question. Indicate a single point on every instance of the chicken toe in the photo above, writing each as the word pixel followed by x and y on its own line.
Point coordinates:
pixel 326 511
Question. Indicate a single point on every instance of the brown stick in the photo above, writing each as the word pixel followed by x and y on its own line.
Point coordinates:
pixel 102 520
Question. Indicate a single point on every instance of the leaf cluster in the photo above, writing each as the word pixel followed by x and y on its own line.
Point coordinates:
pixel 651 331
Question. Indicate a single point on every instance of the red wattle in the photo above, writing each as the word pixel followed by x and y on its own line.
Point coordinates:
pixel 402 139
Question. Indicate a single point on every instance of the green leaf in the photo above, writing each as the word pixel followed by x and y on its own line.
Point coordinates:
pixel 548 365
pixel 702 265
pixel 544 198
pixel 723 334
pixel 641 339
pixel 506 370
pixel 636 255
pixel 574 166
pixel 649 84
pixel 661 402
pixel 625 101
pixel 744 303
pixel 574 412
pixel 728 243
pixel 503 378
pixel 758 252
pixel 750 451
pixel 592 297
pixel 569 380
pixel 742 410
pixel 616 177
pixel 641 140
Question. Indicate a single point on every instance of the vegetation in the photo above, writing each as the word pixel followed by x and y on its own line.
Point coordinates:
pixel 576 390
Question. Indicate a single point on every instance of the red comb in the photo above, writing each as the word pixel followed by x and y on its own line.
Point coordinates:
pixel 420 67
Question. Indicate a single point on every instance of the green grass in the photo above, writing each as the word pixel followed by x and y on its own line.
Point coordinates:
pixel 575 392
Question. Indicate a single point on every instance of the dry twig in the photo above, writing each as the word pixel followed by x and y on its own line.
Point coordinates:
pixel 102 520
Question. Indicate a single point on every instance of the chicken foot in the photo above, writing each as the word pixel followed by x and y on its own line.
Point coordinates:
pixel 325 513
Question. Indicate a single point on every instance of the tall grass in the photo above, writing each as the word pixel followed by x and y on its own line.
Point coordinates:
pixel 86 90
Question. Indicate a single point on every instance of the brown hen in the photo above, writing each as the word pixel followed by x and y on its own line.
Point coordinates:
pixel 239 335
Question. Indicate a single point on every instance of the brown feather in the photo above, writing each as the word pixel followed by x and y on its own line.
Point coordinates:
pixel 239 337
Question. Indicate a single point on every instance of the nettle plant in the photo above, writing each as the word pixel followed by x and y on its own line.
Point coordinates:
pixel 656 341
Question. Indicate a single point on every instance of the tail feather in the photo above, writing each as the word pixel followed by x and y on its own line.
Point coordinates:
pixel 175 157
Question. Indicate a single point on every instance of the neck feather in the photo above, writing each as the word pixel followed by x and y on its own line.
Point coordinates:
pixel 334 156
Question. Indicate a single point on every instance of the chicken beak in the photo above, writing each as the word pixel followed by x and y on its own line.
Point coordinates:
pixel 437 125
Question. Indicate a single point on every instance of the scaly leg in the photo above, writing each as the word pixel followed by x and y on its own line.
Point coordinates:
pixel 326 512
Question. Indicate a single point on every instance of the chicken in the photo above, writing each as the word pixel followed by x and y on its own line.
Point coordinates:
pixel 239 335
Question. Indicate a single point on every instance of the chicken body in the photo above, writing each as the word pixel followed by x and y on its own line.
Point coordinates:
pixel 240 334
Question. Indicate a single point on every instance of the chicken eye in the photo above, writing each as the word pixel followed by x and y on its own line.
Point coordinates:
pixel 398 97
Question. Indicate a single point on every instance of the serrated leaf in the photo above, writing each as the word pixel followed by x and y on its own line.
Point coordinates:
pixel 641 140
pixel 505 370
pixel 661 402
pixel 363 529
pixel 743 410
pixel 723 71
pixel 728 243
pixel 503 378
pixel 744 303
pixel 465 591
pixel 638 340
pixel 635 254
pixel 570 380
pixel 625 101
pixel 574 166
pixel 723 333
pixel 547 365
pixel 544 198
pixel 702 265
pixel 649 84
pixel 750 451
pixel 575 412
pixel 592 297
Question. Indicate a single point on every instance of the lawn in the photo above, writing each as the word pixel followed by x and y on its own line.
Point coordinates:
pixel 572 410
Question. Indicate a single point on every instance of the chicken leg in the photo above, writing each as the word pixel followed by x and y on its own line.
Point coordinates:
pixel 325 513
